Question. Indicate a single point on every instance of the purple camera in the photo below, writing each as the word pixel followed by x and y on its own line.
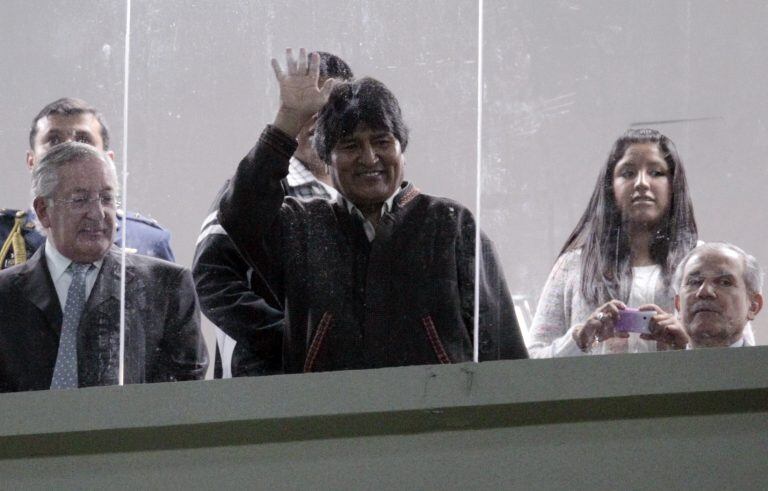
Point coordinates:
pixel 633 320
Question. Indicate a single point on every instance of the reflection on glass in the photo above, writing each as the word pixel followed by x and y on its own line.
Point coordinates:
pixel 563 81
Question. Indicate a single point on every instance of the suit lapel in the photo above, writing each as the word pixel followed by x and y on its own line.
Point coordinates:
pixel 107 286
pixel 35 282
pixel 99 332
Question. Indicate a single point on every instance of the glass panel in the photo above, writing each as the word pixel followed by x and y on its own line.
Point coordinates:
pixel 203 91
pixel 566 79
pixel 52 50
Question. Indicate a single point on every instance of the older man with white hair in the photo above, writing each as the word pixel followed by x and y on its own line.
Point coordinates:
pixel 718 290
pixel 60 321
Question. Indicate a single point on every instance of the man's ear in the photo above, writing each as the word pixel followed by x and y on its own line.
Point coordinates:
pixel 40 205
pixel 755 304
pixel 30 160
pixel 677 303
pixel 111 155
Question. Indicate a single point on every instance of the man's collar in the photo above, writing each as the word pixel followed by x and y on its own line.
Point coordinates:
pixel 299 175
pixel 739 343
pixel 58 263
pixel 386 207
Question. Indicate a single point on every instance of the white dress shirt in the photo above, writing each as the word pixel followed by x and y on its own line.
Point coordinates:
pixel 57 266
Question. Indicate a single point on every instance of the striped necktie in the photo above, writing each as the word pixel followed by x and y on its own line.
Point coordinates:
pixel 65 371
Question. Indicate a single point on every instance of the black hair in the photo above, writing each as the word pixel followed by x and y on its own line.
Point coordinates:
pixel 365 102
pixel 605 249
pixel 331 66
pixel 69 106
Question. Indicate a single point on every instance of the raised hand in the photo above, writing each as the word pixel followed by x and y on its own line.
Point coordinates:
pixel 300 96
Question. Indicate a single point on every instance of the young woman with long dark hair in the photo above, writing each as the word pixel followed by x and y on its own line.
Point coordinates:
pixel 638 225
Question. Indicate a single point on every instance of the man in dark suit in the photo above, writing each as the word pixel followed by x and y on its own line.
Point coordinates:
pixel 60 311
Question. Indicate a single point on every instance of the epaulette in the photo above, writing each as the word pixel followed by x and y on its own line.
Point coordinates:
pixel 138 217
pixel 13 249
pixel 11 213
pixel 9 216
pixel 26 217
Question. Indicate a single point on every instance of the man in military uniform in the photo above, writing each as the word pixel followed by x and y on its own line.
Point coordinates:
pixel 63 120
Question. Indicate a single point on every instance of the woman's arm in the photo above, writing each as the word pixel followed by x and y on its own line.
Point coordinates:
pixel 551 330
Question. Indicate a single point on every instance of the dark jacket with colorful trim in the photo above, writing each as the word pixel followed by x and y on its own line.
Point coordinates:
pixel 406 298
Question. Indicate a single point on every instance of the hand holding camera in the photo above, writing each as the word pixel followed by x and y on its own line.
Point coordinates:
pixel 599 326
pixel 665 329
